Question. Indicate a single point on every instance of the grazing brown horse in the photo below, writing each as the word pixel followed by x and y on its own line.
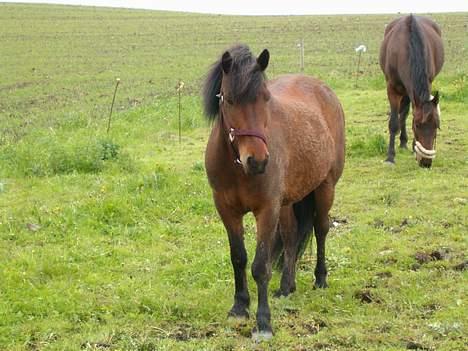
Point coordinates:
pixel 411 55
pixel 276 149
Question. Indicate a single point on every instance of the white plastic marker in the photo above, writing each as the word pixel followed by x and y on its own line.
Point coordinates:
pixel 360 49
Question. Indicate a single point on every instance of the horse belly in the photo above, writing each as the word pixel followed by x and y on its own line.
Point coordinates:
pixel 308 167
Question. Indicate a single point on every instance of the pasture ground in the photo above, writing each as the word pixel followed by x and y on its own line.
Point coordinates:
pixel 111 241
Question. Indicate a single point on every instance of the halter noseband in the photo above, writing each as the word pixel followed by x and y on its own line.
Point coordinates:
pixel 233 132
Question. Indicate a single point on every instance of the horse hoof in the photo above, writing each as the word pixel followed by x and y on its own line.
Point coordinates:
pixel 235 320
pixel 238 315
pixel 389 162
pixel 320 285
pixel 280 293
pixel 263 335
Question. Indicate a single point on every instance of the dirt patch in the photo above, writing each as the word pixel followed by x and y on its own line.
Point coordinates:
pixel 19 85
pixel 429 309
pixel 435 255
pixel 379 223
pixel 321 346
pixel 95 346
pixel 185 332
pixel 461 266
pixel 291 310
pixel 411 345
pixel 366 296
pixel 337 221
pixel 300 327
pixel 384 274
pixel 306 328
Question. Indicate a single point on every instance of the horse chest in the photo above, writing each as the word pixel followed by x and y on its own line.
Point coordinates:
pixel 245 194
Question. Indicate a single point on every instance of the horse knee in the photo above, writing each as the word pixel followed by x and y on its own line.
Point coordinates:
pixel 260 268
pixel 322 226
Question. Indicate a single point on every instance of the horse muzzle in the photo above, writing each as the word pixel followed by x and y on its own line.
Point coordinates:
pixel 423 155
pixel 254 166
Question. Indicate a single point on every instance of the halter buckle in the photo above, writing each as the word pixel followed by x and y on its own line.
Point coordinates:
pixel 231 135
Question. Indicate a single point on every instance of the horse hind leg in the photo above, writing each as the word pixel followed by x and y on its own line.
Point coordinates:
pixel 324 195
pixel 288 236
pixel 404 109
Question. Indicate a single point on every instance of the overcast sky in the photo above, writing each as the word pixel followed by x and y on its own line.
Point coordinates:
pixel 287 7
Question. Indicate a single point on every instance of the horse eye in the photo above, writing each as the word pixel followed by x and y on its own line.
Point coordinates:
pixel 229 101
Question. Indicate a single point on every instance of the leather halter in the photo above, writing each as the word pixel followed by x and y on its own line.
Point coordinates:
pixel 235 132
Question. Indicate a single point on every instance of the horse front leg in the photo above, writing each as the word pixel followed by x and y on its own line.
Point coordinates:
pixel 232 221
pixel 393 123
pixel 404 109
pixel 267 221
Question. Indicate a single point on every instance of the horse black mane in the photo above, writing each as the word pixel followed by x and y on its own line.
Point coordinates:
pixel 246 78
pixel 417 55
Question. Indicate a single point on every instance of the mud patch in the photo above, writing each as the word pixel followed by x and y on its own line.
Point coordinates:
pixel 411 345
pixel 16 86
pixel 380 224
pixel 303 328
pixel 298 326
pixel 95 346
pixel 461 266
pixel 321 346
pixel 338 222
pixel 384 274
pixel 185 332
pixel 429 309
pixel 435 255
pixel 366 296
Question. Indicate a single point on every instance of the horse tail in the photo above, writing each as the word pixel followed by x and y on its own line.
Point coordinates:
pixel 417 57
pixel 304 211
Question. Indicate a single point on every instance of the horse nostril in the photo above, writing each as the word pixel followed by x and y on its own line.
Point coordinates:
pixel 255 166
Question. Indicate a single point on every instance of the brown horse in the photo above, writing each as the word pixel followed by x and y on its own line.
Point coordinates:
pixel 276 149
pixel 411 55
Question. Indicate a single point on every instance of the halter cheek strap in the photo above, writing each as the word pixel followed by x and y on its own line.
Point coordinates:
pixel 233 132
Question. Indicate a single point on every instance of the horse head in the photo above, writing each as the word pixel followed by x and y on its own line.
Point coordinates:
pixel 243 107
pixel 426 121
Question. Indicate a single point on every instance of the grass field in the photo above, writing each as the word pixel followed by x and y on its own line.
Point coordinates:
pixel 111 241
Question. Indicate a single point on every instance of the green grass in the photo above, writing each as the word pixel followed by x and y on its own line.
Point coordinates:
pixel 112 242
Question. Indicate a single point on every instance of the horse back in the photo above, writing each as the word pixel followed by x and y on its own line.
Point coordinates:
pixel 394 50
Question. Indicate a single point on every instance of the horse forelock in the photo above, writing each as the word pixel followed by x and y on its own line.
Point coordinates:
pixel 431 112
pixel 245 80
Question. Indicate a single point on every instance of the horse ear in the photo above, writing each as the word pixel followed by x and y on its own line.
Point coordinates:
pixel 435 99
pixel 226 62
pixel 263 59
